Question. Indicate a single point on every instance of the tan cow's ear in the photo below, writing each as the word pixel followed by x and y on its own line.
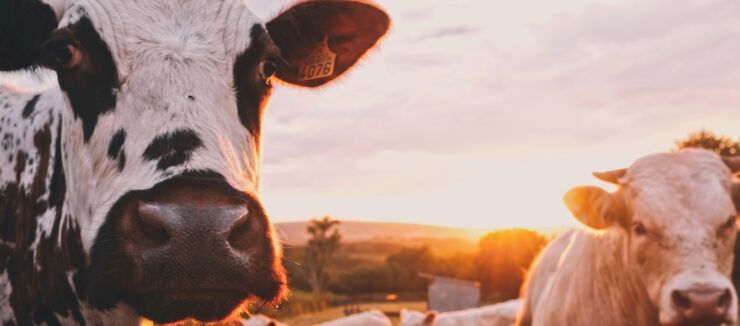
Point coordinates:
pixel 321 39
pixel 594 207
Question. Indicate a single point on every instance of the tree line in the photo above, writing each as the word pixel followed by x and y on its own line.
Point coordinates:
pixel 321 266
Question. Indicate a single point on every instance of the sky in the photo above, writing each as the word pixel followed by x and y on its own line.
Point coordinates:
pixel 483 113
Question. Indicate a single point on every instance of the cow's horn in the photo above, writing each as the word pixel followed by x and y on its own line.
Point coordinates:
pixel 610 176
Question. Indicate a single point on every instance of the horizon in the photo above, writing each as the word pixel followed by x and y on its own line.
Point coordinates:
pixel 483 114
pixel 421 231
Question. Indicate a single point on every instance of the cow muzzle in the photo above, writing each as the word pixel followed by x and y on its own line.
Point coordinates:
pixel 700 303
pixel 190 248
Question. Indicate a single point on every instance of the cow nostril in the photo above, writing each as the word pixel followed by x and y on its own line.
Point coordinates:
pixel 725 299
pixel 681 300
pixel 238 235
pixel 149 224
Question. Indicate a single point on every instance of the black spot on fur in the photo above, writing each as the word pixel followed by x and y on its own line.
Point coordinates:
pixel 24 26
pixel 116 143
pixel 121 161
pixel 7 141
pixel 30 106
pixel 92 87
pixel 39 294
pixel 173 148
pixel 55 260
pixel 42 293
pixel 252 96
pixel 58 184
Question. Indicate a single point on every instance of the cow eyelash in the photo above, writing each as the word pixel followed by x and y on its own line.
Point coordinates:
pixel 269 66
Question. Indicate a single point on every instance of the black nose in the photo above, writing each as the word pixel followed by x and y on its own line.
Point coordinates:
pixel 157 225
pixel 702 306
pixel 189 247
pixel 194 246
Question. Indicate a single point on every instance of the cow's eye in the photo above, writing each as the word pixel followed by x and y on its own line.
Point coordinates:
pixel 65 55
pixel 638 229
pixel 269 68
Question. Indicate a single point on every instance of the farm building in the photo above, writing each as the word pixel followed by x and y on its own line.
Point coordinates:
pixel 449 294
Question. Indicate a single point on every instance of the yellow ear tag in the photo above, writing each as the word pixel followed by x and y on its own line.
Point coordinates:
pixel 319 64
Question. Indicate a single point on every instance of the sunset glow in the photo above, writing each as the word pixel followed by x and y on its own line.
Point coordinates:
pixel 484 113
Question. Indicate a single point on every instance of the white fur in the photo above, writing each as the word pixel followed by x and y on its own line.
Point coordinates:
pixel 261 320
pixel 501 314
pixel 614 277
pixel 367 318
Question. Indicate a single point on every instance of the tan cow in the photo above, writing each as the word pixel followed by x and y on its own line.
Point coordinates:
pixel 659 251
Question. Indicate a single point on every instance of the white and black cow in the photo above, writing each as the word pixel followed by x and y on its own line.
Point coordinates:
pixel 131 188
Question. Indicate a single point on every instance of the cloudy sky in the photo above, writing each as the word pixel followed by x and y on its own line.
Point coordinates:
pixel 483 113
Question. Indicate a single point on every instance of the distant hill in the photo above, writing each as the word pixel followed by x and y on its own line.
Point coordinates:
pixel 294 233
pixel 382 238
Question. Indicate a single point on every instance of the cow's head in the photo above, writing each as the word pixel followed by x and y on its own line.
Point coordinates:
pixel 675 216
pixel 161 134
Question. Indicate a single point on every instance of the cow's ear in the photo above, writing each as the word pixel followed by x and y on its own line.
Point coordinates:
pixel 320 40
pixel 595 207
pixel 24 26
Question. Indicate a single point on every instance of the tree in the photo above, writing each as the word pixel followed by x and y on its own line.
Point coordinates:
pixel 503 258
pixel 708 140
pixel 406 264
pixel 322 245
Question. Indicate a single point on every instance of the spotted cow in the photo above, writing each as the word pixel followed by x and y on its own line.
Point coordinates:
pixel 129 189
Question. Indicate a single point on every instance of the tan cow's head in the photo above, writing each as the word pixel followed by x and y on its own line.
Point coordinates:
pixel 675 216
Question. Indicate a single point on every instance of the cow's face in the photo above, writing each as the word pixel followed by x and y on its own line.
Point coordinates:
pixel 161 135
pixel 675 219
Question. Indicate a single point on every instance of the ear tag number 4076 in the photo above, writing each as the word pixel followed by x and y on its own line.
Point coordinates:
pixel 319 64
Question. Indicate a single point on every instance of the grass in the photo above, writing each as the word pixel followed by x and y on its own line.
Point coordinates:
pixel 390 308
